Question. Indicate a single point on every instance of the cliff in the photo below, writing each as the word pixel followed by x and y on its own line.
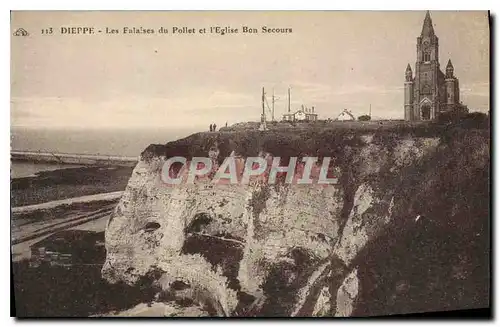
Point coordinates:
pixel 404 230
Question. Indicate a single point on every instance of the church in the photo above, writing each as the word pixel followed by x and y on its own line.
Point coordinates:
pixel 429 92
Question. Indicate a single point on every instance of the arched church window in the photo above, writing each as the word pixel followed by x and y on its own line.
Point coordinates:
pixel 427 56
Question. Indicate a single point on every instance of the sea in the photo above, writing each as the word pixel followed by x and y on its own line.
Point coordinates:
pixel 118 141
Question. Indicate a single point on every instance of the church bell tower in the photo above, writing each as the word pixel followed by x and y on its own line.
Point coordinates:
pixel 426 99
pixel 430 92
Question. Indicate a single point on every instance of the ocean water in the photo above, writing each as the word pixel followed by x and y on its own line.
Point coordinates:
pixel 123 142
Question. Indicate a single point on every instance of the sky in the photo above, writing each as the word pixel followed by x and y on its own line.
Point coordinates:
pixel 332 60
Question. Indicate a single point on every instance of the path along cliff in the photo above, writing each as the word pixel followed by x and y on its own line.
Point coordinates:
pixel 405 229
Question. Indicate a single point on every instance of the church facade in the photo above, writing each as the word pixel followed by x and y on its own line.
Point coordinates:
pixel 430 92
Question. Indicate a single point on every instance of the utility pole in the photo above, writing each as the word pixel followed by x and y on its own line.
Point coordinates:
pixel 263 116
pixel 272 110
pixel 288 100
pixel 273 101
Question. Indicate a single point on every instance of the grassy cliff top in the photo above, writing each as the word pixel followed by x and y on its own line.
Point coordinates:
pixel 309 139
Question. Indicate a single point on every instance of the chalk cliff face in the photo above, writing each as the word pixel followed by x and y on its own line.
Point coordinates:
pixel 312 250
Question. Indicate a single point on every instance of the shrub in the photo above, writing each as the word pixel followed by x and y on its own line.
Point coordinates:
pixel 475 120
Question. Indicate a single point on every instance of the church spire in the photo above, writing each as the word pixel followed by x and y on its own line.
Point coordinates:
pixel 427 29
pixel 408 74
pixel 449 69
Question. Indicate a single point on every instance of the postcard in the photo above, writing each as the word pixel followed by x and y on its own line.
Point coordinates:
pixel 250 164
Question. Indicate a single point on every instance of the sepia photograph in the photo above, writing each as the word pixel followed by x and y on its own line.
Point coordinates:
pixel 239 164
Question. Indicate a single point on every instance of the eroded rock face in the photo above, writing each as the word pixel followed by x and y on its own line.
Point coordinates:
pixel 347 295
pixel 260 249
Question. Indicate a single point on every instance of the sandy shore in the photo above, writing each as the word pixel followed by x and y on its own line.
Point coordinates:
pixel 31 224
pixel 82 199
pixel 71 198
pixel 68 183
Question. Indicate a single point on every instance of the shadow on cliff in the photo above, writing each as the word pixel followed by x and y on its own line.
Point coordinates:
pixel 435 254
pixel 74 292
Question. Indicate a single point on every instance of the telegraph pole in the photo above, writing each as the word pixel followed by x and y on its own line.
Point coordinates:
pixel 273 101
pixel 288 100
pixel 272 110
pixel 263 117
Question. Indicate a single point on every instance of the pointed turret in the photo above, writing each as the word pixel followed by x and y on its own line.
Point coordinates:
pixel 449 69
pixel 408 73
pixel 427 29
pixel 452 92
pixel 408 92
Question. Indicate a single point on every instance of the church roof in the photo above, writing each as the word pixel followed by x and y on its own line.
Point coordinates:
pixel 344 114
pixel 427 29
pixel 408 68
pixel 449 65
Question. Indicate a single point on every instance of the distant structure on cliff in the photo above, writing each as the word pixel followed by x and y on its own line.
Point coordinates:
pixel 303 114
pixel 430 92
pixel 345 115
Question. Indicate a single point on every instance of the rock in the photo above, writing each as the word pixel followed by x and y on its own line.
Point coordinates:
pixel 322 306
pixel 347 295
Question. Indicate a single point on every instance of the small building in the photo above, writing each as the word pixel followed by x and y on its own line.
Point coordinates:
pixel 346 115
pixel 303 114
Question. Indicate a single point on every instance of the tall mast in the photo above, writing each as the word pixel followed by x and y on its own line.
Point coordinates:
pixel 263 99
pixel 288 99
pixel 272 111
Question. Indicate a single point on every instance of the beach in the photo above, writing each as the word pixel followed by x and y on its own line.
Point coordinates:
pixel 49 201
pixel 68 183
